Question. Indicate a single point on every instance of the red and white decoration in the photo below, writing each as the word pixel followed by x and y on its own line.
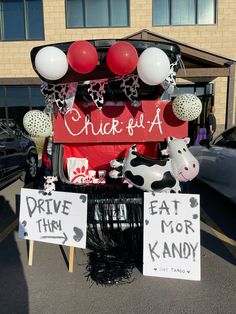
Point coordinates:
pixel 77 169
pixel 153 121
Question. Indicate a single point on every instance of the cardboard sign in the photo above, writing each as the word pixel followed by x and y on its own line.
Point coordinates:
pixel 172 236
pixel 60 218
pixel 119 122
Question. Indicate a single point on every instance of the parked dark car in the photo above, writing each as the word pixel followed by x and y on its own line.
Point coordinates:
pixel 217 160
pixel 18 154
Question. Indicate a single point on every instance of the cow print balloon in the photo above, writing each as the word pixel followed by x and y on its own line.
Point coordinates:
pixel 37 123
pixel 187 107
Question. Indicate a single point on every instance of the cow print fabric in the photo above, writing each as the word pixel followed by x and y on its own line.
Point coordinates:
pixel 60 95
pixel 96 90
pixel 63 95
pixel 130 86
pixel 170 82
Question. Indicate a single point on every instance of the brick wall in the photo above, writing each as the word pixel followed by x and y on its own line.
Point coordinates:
pixel 219 38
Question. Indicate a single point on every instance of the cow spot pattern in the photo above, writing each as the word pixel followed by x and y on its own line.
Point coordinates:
pixel 187 107
pixel 37 123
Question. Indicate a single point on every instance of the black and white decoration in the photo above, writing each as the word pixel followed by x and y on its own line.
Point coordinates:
pixel 62 95
pixel 96 91
pixel 37 123
pixel 187 107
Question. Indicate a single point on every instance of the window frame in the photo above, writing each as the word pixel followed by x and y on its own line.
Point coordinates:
pixel 196 16
pixel 109 17
pixel 26 25
pixel 29 104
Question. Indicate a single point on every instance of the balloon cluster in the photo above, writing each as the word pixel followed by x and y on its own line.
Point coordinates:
pixel 52 63
pixel 153 65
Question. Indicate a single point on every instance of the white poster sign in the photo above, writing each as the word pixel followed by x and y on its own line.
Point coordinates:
pixel 59 218
pixel 172 236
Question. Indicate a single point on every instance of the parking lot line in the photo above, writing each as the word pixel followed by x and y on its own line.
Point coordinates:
pixel 223 237
pixel 218 233
pixel 8 229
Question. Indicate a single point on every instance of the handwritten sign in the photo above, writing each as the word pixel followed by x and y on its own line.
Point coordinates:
pixel 119 122
pixel 60 218
pixel 172 236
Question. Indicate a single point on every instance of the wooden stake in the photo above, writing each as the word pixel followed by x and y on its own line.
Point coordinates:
pixel 71 259
pixel 31 251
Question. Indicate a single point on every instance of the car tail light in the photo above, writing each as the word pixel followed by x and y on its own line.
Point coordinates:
pixel 49 146
pixel 47 153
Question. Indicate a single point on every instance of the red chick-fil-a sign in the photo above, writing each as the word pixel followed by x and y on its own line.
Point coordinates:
pixel 118 122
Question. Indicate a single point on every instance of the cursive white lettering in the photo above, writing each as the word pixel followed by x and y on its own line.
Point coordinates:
pixel 89 128
pixel 135 124
pixel 156 121
pixel 77 124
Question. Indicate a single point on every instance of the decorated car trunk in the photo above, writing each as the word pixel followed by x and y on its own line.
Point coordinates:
pixel 104 96
pixel 107 120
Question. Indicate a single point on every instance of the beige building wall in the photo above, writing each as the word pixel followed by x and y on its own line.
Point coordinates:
pixel 219 38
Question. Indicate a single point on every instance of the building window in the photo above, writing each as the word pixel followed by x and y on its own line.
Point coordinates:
pixel 97 13
pixel 21 20
pixel 16 100
pixel 184 12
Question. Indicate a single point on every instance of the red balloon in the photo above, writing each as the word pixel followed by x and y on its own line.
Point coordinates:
pixel 122 58
pixel 82 56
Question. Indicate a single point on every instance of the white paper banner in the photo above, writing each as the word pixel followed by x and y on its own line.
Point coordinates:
pixel 172 236
pixel 59 218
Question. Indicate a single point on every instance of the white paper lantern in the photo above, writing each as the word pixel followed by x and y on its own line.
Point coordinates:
pixel 187 107
pixel 153 66
pixel 37 123
pixel 51 63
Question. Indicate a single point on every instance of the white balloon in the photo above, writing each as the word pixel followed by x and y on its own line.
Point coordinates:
pixel 37 123
pixel 51 63
pixel 153 66
pixel 187 107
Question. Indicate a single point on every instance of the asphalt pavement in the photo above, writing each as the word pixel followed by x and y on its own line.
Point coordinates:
pixel 48 287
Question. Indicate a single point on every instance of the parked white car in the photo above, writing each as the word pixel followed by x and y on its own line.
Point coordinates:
pixel 217 161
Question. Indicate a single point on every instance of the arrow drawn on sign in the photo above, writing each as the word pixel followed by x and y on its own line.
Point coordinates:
pixel 56 237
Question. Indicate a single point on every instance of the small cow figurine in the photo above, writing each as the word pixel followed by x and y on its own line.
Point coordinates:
pixel 158 175
pixel 49 184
